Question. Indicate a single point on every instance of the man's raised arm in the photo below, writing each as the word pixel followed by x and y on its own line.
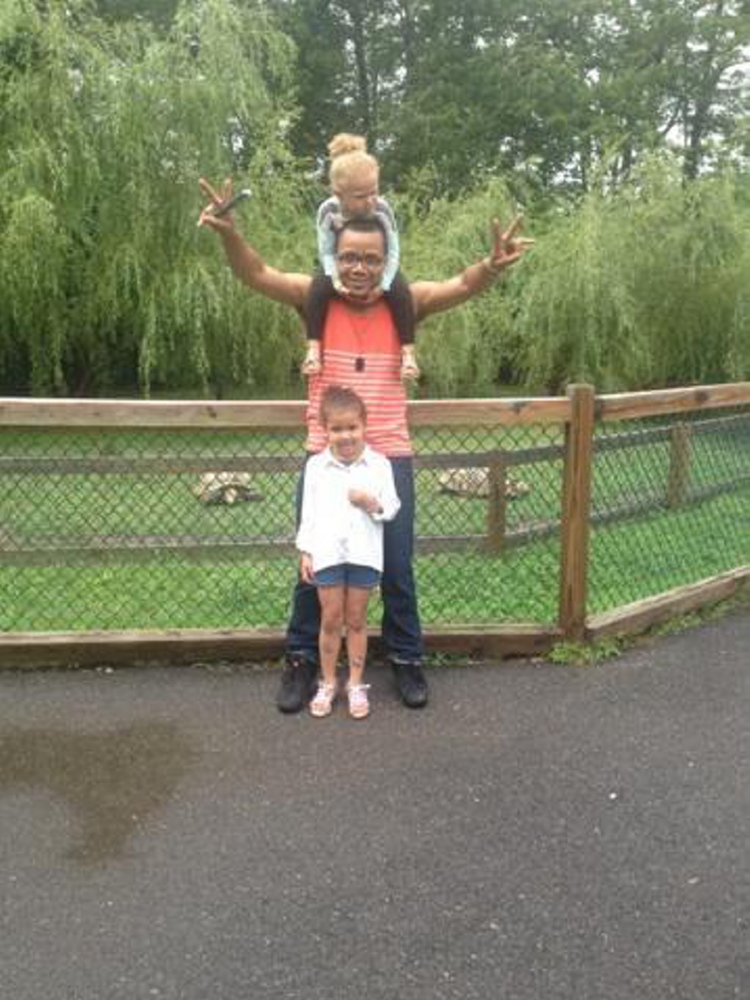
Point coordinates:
pixel 245 261
pixel 435 296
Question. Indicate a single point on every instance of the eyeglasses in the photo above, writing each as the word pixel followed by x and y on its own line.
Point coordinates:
pixel 372 261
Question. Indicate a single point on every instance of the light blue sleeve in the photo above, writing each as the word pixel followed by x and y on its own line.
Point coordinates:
pixel 384 212
pixel 328 210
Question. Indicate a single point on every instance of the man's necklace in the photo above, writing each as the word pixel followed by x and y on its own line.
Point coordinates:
pixel 359 332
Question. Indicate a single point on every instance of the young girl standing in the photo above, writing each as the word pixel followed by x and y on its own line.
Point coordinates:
pixel 348 493
pixel 355 179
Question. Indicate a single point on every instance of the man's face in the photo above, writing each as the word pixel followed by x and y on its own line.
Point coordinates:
pixel 361 259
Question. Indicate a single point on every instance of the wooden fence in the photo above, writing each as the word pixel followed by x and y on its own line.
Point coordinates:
pixel 578 413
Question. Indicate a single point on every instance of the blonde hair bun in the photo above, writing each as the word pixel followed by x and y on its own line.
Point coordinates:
pixel 349 157
pixel 346 142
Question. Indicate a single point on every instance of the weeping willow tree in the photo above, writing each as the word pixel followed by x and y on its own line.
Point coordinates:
pixel 691 274
pixel 106 284
pixel 105 281
pixel 467 350
pixel 643 286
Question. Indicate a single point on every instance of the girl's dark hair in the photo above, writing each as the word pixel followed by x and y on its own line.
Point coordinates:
pixel 341 397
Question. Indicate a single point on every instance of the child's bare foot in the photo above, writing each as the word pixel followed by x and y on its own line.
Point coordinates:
pixel 311 365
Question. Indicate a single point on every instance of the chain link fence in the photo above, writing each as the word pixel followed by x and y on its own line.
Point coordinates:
pixel 670 503
pixel 109 530
pixel 488 524
pixel 120 528
pixel 112 530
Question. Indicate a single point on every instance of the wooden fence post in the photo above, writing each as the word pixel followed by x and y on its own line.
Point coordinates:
pixel 579 442
pixel 496 503
pixel 679 465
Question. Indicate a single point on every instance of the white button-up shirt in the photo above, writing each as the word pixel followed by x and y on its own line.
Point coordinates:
pixel 332 530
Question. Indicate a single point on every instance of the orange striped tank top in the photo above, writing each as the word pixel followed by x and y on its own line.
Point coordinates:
pixel 361 350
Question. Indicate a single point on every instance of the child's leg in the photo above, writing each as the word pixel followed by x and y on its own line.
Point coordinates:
pixel 331 623
pixel 401 304
pixel 316 307
pixel 355 616
pixel 329 644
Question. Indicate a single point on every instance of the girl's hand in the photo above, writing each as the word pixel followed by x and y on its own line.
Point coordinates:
pixel 207 218
pixel 365 501
pixel 306 568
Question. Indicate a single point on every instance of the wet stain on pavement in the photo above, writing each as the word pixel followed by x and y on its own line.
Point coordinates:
pixel 112 780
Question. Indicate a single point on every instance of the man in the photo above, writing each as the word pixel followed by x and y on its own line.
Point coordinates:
pixel 361 349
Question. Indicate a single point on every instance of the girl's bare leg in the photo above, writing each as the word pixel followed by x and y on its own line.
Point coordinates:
pixel 331 622
pixel 355 614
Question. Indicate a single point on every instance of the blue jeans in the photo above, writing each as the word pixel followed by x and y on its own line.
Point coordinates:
pixel 402 632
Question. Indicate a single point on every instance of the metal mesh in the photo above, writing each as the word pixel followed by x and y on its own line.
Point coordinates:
pixel 110 530
pixel 105 530
pixel 138 529
pixel 670 504
pixel 488 515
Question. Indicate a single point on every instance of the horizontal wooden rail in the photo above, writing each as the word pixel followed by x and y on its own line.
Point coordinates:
pixel 180 646
pixel 93 550
pixel 170 463
pixel 634 405
pixel 286 415
pixel 715 425
pixel 262 415
pixel 140 414
pixel 489 412
pixel 641 615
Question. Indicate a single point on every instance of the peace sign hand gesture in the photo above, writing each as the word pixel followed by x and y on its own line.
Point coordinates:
pixel 507 248
pixel 217 200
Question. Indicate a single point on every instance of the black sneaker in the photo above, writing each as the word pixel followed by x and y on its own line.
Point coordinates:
pixel 411 681
pixel 297 683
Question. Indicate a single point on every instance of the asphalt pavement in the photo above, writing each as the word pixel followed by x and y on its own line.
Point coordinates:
pixel 539 832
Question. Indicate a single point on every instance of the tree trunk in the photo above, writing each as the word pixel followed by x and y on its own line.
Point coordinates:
pixel 359 41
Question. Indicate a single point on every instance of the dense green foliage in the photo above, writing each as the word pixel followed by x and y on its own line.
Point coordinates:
pixel 105 129
pixel 641 287
pixel 620 126
pixel 548 88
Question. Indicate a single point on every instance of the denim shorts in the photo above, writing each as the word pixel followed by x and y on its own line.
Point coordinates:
pixel 348 575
